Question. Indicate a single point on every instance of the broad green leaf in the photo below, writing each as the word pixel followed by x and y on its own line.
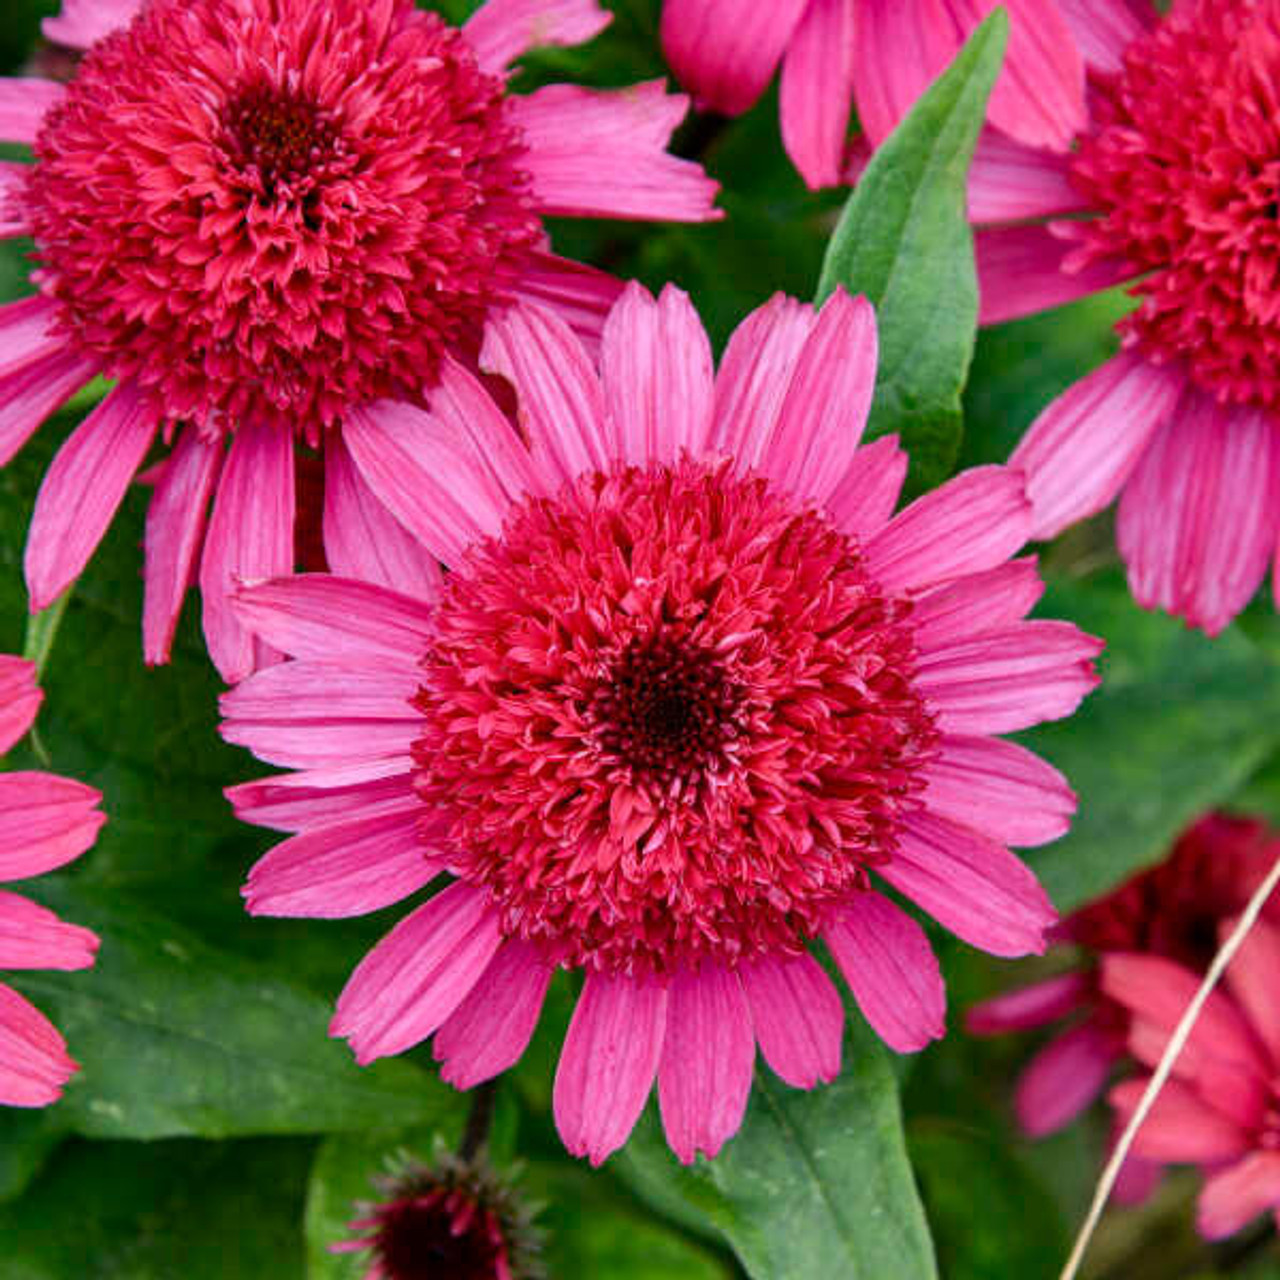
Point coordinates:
pixel 816 1184
pixel 904 241
pixel 177 1038
pixel 177 1210
pixel 1179 724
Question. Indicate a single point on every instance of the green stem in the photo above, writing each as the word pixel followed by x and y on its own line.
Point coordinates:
pixel 42 631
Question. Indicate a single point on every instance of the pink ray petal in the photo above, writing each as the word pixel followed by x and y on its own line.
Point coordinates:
pixel 1010 182
pixel 976 604
pixel 1063 1078
pixel 1180 1126
pixel 1252 977
pixel 798 1018
pixel 33 1057
pixel 33 390
pixel 23 106
pixel 84 22
pixel 45 822
pixel 313 690
pixel 704 1077
pixel 20 699
pixel 581 295
pixel 608 1062
pixel 32 937
pixel 1237 1195
pixel 295 802
pixel 1025 1008
pixel 500 31
pixel 13 217
pixel 867 493
pixel 1104 29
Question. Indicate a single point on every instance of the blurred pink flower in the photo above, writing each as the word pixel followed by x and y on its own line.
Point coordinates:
pixel 1220 1108
pixel 1172 187
pixel 257 216
pixel 688 694
pixel 1171 910
pixel 45 822
pixel 877 55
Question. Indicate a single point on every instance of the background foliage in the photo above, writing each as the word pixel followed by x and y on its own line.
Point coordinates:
pixel 216 1131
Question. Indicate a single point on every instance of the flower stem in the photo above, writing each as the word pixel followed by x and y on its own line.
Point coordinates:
pixel 480 1118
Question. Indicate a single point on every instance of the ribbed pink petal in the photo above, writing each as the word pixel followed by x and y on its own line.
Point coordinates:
pixel 1079 452
pixel 345 868
pixel 562 404
pixel 175 522
pixel 418 974
pixel 608 1062
pixel 1063 1078
pixel 45 822
pixel 84 22
pixel 798 1018
pixel 315 615
pixel 1104 29
pixel 866 495
pixel 973 522
pixel 976 604
pixel 1200 516
pixel 23 105
pixel 1020 272
pixel 1026 1008
pixel 725 51
pixel 891 970
pixel 1238 1195
pixel 492 1027
pixel 1010 182
pixel 426 476
pixel 970 884
pixel 250 537
pixel 33 1057
pixel 83 489
pixel 32 937
pixel 822 418
pixel 331 743
pixel 27 333
pixel 816 95
pixel 999 788
pixel 30 392
pixel 708 1053
pixel 13 217
pixel 658 377
pixel 296 802
pixel 1011 679
pixel 597 153
pixel 1039 96
pixel 754 376
pixel 20 699
pixel 501 30
pixel 363 540
pixel 580 295
pixel 1180 1126
pixel 1254 979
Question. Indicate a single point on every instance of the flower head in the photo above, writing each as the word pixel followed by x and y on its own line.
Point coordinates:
pixel 259 215
pixel 688 698
pixel 1171 187
pixel 45 822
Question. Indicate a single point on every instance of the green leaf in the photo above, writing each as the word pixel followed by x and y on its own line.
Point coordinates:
pixel 178 1038
pixel 1179 723
pixel 904 241
pixel 161 1211
pixel 816 1184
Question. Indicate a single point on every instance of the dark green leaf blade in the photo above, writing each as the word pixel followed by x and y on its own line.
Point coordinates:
pixel 904 241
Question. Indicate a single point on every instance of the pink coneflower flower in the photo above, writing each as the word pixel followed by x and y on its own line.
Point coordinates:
pixel 689 698
pixel 45 822
pixel 257 215
pixel 1172 910
pixel 1220 1108
pixel 878 56
pixel 1172 186
pixel 451 1218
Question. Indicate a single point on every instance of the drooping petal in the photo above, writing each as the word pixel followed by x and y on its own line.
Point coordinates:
pixel 891 970
pixel 1010 182
pixel 1200 516
pixel 1237 1195
pixel 725 51
pixel 1179 1126
pixel 1104 29
pixel 418 974
pixel 970 884
pixel 250 537
pixel 581 295
pixel 866 495
pixel 1062 1079
pixel 1026 1008
pixel 1079 452
pixel 976 604
pixel 24 104
pixel 1252 978
pixel 500 31
pixel 84 22
pixel 822 418
pixel 175 522
pixel 83 489
pixel 45 822
pixel 32 937
pixel 798 1018
pixel 491 1028
pixel 601 153
pixel 999 788
pixel 34 1064
pixel 658 377
pixel 296 802
pixel 32 389
pixel 704 1077
pixel 608 1062
pixel 363 540
pixel 20 699
pixel 816 94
